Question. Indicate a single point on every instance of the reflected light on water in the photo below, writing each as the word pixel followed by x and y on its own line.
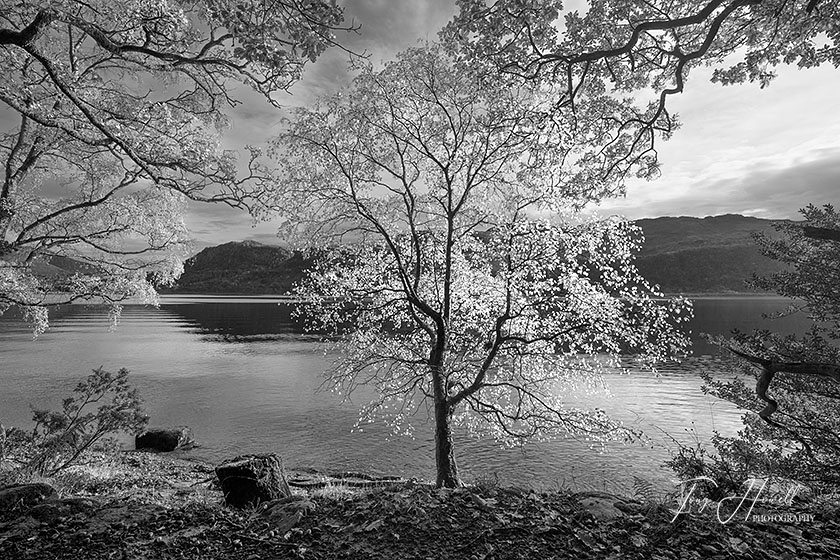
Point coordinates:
pixel 239 373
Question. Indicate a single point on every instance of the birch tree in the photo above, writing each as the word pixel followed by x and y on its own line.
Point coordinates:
pixel 114 112
pixel 456 275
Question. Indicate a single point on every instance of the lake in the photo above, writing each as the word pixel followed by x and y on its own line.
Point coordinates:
pixel 241 375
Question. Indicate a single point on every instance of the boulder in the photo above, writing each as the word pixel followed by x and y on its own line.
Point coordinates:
pixel 290 503
pixel 252 479
pixel 284 520
pixel 602 506
pixel 24 496
pixel 163 439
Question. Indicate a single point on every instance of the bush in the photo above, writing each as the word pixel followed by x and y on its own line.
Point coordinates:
pixel 793 429
pixel 729 466
pixel 60 438
pixel 801 441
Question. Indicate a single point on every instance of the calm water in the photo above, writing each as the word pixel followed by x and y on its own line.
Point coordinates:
pixel 240 375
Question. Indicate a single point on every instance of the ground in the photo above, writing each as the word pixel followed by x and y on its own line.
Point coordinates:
pixel 140 506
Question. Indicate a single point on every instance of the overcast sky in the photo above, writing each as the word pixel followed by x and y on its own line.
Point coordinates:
pixel 744 150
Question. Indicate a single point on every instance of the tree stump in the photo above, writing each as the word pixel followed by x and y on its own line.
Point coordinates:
pixel 249 480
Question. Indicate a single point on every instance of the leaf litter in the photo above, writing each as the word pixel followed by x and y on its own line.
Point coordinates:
pixel 407 520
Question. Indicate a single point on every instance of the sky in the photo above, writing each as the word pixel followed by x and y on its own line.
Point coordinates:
pixel 764 153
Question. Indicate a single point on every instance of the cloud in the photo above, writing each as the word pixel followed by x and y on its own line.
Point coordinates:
pixel 764 190
pixel 267 239
pixel 764 152
pixel 385 28
pixel 741 149
pixel 213 224
pixel 388 27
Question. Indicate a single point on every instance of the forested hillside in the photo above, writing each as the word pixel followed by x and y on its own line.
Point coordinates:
pixel 244 267
pixel 703 255
pixel 682 255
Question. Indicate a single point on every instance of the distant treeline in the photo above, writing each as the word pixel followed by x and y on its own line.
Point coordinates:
pixel 681 255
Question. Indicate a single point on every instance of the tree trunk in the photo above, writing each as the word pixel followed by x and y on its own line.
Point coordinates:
pixel 447 470
pixel 6 216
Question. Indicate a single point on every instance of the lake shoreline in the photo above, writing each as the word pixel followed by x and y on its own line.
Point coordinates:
pixel 139 505
pixel 245 380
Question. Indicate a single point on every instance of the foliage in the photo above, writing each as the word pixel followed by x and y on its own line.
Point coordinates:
pixel 427 184
pixel 60 438
pixel 120 107
pixel 801 439
pixel 619 47
pixel 814 270
pixel 730 465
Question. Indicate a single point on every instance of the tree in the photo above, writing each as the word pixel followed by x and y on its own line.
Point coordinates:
pixel 120 107
pixel 455 273
pixel 797 395
pixel 650 47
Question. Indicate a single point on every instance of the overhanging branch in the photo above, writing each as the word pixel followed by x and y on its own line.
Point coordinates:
pixel 771 367
pixel 828 234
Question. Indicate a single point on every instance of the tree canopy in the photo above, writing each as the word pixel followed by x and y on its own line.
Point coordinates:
pixel 427 188
pixel 119 109
pixel 643 49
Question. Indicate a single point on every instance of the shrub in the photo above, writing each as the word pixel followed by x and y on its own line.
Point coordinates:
pixel 729 465
pixel 60 438
pixel 793 428
pixel 801 441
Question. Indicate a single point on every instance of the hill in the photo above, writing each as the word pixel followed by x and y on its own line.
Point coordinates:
pixel 682 255
pixel 245 267
pixel 716 254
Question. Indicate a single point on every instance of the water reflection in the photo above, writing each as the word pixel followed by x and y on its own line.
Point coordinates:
pixel 237 320
pixel 251 318
pixel 240 374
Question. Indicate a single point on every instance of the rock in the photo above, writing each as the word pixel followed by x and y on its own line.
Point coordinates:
pixel 481 503
pixel 292 503
pixel 601 506
pixel 252 479
pixel 631 507
pixel 163 439
pixel 23 496
pixel 282 502
pixel 285 521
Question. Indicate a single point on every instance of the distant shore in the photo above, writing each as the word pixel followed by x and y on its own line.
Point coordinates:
pixel 291 298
